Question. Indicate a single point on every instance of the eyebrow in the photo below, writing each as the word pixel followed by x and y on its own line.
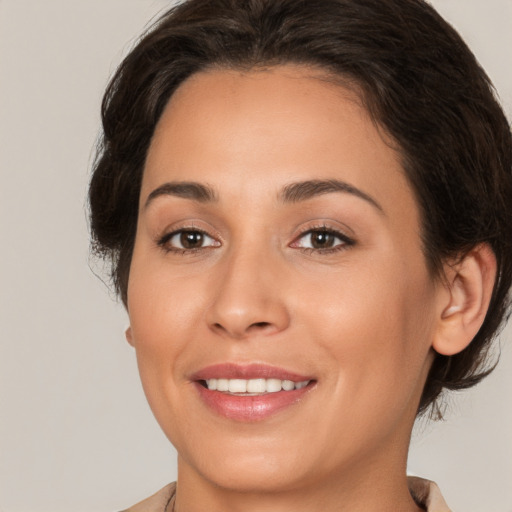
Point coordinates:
pixel 291 193
pixel 304 190
pixel 186 190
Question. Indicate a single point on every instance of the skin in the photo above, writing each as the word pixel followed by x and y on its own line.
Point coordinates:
pixel 361 319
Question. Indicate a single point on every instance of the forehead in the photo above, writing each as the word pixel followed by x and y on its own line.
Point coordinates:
pixel 261 129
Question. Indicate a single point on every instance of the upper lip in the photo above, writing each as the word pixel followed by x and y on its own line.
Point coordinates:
pixel 247 371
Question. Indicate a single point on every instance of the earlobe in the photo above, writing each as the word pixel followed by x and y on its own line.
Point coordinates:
pixel 466 297
pixel 129 337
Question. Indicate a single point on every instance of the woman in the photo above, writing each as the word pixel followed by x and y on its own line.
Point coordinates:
pixel 306 206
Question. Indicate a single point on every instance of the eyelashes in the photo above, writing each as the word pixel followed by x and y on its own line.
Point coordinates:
pixel 322 240
pixel 189 239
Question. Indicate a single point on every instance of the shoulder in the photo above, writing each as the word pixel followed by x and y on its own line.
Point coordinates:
pixel 156 503
pixel 427 494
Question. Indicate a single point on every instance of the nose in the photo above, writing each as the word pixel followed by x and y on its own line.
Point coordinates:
pixel 249 297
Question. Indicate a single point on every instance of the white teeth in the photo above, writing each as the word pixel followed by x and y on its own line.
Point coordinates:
pixel 254 386
pixel 222 384
pixel 288 385
pixel 273 385
pixel 237 386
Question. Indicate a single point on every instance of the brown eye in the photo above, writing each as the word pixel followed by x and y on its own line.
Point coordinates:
pixel 322 240
pixel 187 240
pixel 191 239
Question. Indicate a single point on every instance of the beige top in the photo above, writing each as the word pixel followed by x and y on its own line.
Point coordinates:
pixel 425 492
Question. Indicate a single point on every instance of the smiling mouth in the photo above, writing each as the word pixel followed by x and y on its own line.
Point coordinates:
pixel 251 392
pixel 252 387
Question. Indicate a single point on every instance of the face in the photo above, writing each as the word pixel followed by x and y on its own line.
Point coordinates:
pixel 280 304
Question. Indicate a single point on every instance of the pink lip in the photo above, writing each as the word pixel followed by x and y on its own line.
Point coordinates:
pixel 249 408
pixel 249 371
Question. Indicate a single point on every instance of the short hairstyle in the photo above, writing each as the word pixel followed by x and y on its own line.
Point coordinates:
pixel 418 80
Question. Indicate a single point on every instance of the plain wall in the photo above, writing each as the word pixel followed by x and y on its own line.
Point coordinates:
pixel 76 433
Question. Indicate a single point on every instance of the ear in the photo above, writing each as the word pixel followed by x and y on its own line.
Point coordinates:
pixel 129 337
pixel 464 300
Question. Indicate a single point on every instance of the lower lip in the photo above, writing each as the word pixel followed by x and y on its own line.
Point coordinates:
pixel 250 408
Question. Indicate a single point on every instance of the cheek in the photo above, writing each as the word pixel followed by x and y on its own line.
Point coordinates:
pixel 163 311
pixel 164 314
pixel 160 303
pixel 375 326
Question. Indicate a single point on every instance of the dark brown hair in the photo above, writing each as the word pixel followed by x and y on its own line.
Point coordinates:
pixel 418 80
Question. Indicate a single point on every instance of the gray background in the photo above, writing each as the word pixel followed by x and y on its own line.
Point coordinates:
pixel 75 431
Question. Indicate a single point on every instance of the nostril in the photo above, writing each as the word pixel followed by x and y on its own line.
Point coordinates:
pixel 219 327
pixel 259 325
pixel 241 331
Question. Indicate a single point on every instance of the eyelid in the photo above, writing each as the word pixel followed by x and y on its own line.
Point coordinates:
pixel 167 238
pixel 327 228
pixel 190 226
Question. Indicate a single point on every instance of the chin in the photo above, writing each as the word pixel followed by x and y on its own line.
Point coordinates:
pixel 265 467
pixel 263 477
